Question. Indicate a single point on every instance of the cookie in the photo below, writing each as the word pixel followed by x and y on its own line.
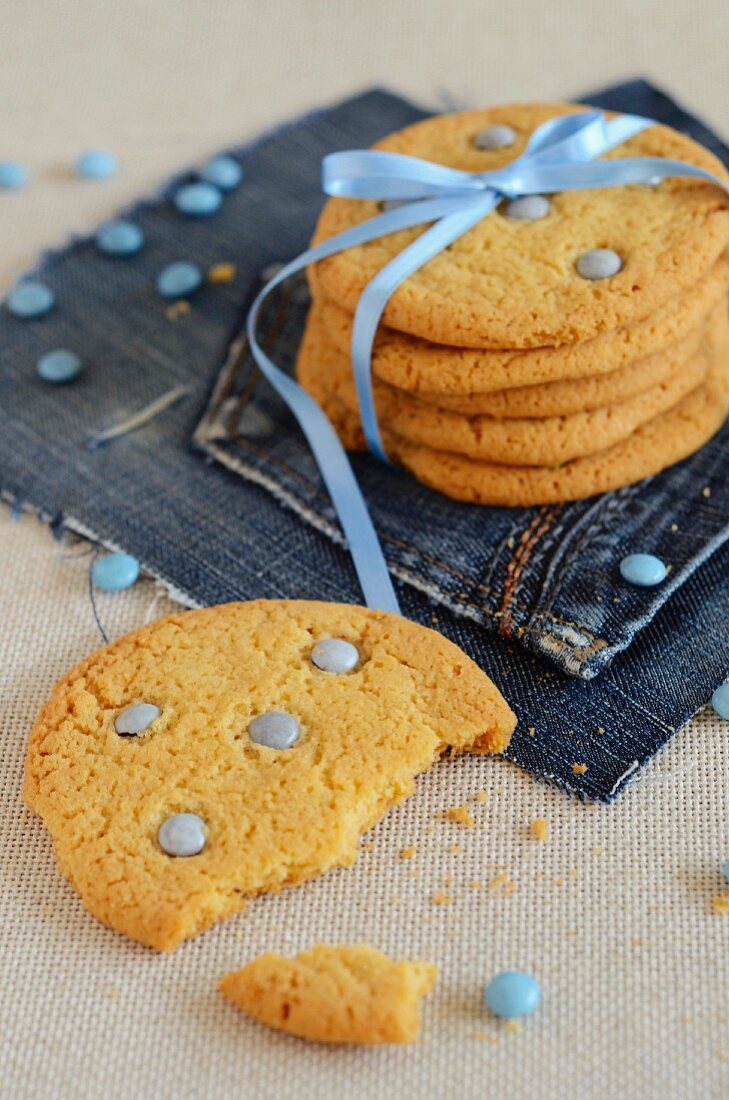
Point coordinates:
pixel 516 442
pixel 660 443
pixel 421 366
pixel 516 283
pixel 265 737
pixel 334 994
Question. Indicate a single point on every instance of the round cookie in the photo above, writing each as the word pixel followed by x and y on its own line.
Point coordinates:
pixel 349 994
pixel 516 442
pixel 128 814
pixel 512 283
pixel 653 447
pixel 580 394
pixel 418 365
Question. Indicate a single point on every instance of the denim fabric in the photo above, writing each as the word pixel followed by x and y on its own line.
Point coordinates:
pixel 498 581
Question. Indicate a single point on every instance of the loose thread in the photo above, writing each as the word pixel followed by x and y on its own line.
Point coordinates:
pixel 138 419
pixel 104 638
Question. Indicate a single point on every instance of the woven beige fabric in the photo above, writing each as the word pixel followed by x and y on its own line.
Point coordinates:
pixel 612 913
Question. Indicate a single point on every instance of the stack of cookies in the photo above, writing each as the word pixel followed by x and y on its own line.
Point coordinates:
pixel 564 346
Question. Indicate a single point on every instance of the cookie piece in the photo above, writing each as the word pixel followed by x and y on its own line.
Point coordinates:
pixel 516 442
pixel 514 283
pixel 660 443
pixel 421 366
pixel 211 774
pixel 334 994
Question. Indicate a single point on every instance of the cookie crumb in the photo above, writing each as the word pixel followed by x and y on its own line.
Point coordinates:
pixel 600 729
pixel 532 730
pixel 455 849
pixel 368 845
pixel 706 491
pixel 481 796
pixel 461 815
pixel 597 851
pixel 177 309
pixel 502 884
pixel 539 828
pixel 114 994
pixel 442 899
pixel 579 769
pixel 512 1026
pixel 222 273
pixel 408 853
pixel 720 904
pixel 674 528
pixel 475 884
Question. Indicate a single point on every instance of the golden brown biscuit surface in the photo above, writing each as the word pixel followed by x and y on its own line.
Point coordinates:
pixel 271 818
pixel 509 283
pixel 350 994
pixel 537 441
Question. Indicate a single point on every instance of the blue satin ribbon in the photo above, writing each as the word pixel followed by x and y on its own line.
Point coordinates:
pixel 561 155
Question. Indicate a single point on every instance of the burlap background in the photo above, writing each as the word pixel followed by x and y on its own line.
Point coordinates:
pixel 613 911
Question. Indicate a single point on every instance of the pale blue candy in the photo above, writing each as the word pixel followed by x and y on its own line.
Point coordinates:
pixel 198 199
pixel 599 263
pixel 529 208
pixel 223 172
pixel 30 299
pixel 182 835
pixel 120 238
pixel 495 137
pixel 274 730
pixel 12 175
pixel 136 719
pixel 95 165
pixel 59 366
pixel 335 655
pixel 512 994
pixel 726 870
pixel 720 700
pixel 644 570
pixel 179 279
pixel 115 571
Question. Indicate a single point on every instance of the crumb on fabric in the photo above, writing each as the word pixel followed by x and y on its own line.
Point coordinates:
pixel 720 904
pixel 222 273
pixel 674 528
pixel 706 491
pixel 475 884
pixel 177 309
pixel 600 729
pixel 597 850
pixel 455 849
pixel 512 1026
pixel 481 796
pixel 502 884
pixel 368 845
pixel 114 994
pixel 442 899
pixel 531 731
pixel 408 853
pixel 461 815
pixel 579 769
pixel 539 828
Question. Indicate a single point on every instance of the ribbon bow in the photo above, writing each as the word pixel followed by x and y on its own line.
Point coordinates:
pixel 561 155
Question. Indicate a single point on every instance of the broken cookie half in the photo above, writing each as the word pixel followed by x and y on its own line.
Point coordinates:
pixel 218 754
pixel 334 994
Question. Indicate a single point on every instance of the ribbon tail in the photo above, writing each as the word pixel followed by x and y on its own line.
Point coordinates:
pixel 377 293
pixel 336 470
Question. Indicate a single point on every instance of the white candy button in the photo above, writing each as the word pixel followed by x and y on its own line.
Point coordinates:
pixel 599 263
pixel 335 655
pixel 274 730
pixel 136 719
pixel 182 835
